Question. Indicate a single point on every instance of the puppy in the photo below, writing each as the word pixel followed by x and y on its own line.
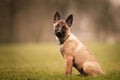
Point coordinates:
pixel 74 52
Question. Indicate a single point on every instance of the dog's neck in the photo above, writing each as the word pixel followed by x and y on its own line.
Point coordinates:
pixel 62 40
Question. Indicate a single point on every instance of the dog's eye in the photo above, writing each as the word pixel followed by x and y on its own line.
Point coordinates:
pixel 57 25
pixel 63 29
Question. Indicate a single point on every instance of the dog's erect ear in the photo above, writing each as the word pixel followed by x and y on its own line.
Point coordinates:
pixel 69 20
pixel 56 16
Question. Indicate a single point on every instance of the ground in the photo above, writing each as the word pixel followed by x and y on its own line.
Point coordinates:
pixel 43 61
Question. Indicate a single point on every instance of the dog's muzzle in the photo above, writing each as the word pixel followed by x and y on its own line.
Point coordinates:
pixel 59 34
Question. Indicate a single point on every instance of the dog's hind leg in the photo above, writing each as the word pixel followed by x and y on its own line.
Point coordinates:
pixel 91 68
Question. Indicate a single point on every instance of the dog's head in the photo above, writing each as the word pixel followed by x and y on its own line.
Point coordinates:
pixel 62 27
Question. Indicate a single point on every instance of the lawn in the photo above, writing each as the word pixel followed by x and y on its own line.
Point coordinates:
pixel 43 61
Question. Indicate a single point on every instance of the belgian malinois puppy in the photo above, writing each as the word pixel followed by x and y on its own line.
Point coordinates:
pixel 73 51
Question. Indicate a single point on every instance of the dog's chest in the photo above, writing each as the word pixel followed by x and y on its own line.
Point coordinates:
pixel 66 49
pixel 61 50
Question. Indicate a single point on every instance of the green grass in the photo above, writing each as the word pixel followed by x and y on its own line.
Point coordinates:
pixel 44 62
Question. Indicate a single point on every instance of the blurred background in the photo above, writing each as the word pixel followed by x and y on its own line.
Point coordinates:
pixel 30 21
pixel 28 44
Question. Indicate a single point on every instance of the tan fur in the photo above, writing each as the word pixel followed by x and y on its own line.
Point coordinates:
pixel 77 55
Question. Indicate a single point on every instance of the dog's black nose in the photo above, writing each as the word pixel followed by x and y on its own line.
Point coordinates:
pixel 58 34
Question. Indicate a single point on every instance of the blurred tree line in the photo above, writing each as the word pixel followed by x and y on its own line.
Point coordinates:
pixel 24 21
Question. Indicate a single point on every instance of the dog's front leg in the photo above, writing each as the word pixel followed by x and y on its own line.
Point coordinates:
pixel 69 64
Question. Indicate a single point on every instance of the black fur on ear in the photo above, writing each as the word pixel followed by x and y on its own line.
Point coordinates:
pixel 56 16
pixel 69 20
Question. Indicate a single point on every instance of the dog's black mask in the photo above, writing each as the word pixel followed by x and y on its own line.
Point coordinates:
pixel 60 31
